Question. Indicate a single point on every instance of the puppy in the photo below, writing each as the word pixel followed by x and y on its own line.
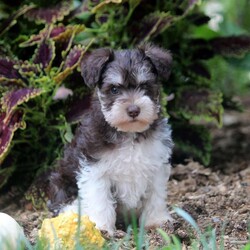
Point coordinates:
pixel 118 160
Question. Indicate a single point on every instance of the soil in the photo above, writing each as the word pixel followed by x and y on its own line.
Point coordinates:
pixel 217 196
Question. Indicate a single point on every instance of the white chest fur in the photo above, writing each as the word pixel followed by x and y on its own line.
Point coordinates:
pixel 130 168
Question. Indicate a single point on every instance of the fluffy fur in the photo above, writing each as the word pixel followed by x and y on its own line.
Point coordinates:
pixel 118 161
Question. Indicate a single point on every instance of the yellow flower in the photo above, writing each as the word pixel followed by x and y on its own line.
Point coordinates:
pixel 68 229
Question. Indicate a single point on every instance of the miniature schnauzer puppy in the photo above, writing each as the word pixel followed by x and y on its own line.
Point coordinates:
pixel 119 158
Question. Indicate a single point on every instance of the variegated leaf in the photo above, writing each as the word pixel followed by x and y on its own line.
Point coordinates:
pixel 101 4
pixel 68 32
pixel 13 98
pixel 8 125
pixel 58 33
pixel 71 62
pixel 28 70
pixel 45 53
pixel 50 14
pixel 8 71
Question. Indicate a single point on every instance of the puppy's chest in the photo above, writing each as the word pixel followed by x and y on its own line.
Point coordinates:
pixel 131 168
pixel 133 159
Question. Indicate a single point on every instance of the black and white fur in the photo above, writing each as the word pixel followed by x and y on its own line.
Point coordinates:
pixel 118 160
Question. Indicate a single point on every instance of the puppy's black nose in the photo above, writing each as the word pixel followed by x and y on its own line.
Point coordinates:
pixel 133 111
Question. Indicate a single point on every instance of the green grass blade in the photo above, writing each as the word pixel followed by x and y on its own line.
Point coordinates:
pixel 164 235
pixel 192 222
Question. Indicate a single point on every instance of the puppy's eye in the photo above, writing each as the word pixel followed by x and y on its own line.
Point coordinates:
pixel 114 90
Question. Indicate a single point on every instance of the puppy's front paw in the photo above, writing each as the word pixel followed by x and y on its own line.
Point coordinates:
pixel 107 232
pixel 118 234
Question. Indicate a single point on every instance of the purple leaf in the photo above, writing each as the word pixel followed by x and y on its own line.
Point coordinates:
pixel 28 70
pixel 71 62
pixel 45 53
pixel 8 69
pixel 50 14
pixel 231 46
pixel 13 98
pixel 8 125
pixel 74 57
pixel 67 33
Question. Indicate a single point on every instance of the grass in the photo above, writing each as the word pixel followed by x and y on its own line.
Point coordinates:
pixel 136 238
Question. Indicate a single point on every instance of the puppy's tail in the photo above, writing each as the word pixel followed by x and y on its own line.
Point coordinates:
pixel 61 191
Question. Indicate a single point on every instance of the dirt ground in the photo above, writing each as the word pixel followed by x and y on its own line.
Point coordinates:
pixel 214 196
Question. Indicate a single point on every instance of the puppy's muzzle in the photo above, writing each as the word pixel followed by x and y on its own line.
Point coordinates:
pixel 133 111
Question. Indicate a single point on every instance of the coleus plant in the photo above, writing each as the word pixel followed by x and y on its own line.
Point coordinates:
pixel 37 78
pixel 62 31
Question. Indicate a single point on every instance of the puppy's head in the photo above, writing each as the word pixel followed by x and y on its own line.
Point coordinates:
pixel 127 84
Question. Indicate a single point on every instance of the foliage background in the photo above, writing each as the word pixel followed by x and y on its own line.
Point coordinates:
pixel 42 44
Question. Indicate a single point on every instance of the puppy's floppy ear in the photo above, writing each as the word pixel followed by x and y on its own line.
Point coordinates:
pixel 162 59
pixel 92 65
